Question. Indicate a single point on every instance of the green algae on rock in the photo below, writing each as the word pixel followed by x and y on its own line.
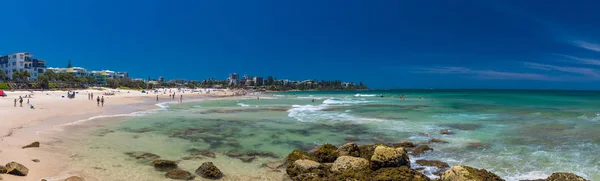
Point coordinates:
pixel 398 174
pixel 326 153
pixel 349 149
pixel 296 155
pixel 385 156
pixel 179 174
pixel 466 173
pixel 209 170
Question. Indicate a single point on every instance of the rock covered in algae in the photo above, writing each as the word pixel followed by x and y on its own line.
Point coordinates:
pixel 326 153
pixel 350 164
pixel 561 176
pixel 466 173
pixel 209 170
pixel 397 174
pixel 164 165
pixel 296 155
pixel 433 163
pixel 349 149
pixel 385 156
pixel 421 149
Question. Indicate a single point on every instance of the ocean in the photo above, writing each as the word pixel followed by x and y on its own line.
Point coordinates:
pixel 516 134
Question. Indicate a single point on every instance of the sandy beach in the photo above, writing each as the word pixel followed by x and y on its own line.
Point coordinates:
pixel 53 111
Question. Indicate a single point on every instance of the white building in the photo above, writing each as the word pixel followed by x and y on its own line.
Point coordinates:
pixel 22 62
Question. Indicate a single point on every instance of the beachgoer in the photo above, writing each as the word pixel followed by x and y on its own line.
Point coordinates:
pixel 313 100
pixel 181 99
pixel 156 98
pixel 21 101
pixel 92 96
pixel 102 101
pixel 27 101
pixel 15 102
pixel 98 101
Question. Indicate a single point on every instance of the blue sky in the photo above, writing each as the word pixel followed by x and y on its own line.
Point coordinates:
pixel 531 44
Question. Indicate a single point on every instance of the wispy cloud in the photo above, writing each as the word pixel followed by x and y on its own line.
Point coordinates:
pixel 588 72
pixel 588 61
pixel 486 74
pixel 587 45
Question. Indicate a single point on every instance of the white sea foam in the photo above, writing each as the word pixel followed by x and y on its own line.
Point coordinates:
pixel 365 95
pixel 312 113
pixel 243 105
pixel 312 97
pixel 346 101
pixel 161 107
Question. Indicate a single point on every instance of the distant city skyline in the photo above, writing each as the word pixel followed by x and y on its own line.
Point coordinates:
pixel 385 44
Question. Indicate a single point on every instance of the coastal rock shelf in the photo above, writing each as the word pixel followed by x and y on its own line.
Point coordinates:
pixel 382 163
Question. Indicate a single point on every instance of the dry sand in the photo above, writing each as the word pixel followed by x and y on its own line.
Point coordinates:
pixel 20 126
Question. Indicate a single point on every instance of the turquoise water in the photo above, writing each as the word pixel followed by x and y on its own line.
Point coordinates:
pixel 515 134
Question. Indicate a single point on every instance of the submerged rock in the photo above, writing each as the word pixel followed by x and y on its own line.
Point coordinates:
pixel 142 155
pixel 478 145
pixel 164 165
pixel 274 165
pixel 234 154
pixel 326 153
pixel 445 131
pixel 405 144
pixel 463 126
pixel 205 153
pixel 384 156
pixel 435 140
pixel 33 145
pixel 351 138
pixel 179 174
pixel 397 174
pixel 349 149
pixel 74 178
pixel 15 168
pixel 433 163
pixel 466 173
pixel 262 154
pixel 421 149
pixel 296 155
pixel 305 170
pixel 209 170
pixel 247 158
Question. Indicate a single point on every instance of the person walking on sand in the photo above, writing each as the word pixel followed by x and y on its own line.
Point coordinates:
pixel 27 101
pixel 20 101
pixel 92 96
pixel 156 98
pixel 98 101
pixel 181 99
pixel 15 102
pixel 102 101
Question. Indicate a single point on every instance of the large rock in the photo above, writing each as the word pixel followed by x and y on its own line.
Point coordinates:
pixel 405 144
pixel 433 163
pixel 466 173
pixel 366 151
pixel 33 145
pixel 350 164
pixel 326 153
pixel 305 170
pixel 349 149
pixel 179 174
pixel 397 174
pixel 15 168
pixel 384 156
pixel 164 165
pixel 74 178
pixel 209 170
pixel 296 155
pixel 421 149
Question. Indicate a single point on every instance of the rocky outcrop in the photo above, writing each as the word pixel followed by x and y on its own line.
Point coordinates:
pixel 326 153
pixel 366 151
pixel 164 165
pixel 398 174
pixel 305 170
pixel 33 145
pixel 349 149
pixel 466 173
pixel 433 163
pixel 384 156
pixel 209 170
pixel 74 178
pixel 179 174
pixel 421 149
pixel 3 169
pixel 15 168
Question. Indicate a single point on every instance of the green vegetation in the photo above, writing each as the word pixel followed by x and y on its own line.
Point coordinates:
pixel 4 86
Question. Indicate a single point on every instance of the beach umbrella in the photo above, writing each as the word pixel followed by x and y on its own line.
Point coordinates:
pixel 2 94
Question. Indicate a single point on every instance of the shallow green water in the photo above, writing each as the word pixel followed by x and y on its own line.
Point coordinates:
pixel 515 134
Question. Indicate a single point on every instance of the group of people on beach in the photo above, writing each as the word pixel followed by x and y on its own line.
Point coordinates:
pixel 99 100
pixel 20 100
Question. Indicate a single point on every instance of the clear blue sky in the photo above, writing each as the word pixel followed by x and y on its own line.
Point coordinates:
pixel 543 44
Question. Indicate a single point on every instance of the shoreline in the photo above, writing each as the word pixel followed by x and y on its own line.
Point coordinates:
pixel 53 113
